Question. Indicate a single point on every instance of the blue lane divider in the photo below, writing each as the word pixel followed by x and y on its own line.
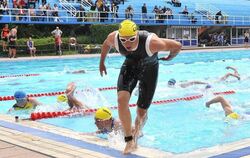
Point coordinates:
pixel 67 140
pixel 234 154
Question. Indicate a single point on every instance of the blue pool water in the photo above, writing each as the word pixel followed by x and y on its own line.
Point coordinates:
pixel 175 127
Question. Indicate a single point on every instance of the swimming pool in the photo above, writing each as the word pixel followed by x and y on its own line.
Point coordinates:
pixel 175 127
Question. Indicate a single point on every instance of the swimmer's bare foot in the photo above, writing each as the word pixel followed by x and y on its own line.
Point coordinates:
pixel 136 135
pixel 130 147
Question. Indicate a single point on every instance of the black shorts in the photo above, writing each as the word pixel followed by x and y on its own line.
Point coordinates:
pixel 12 46
pixel 132 72
pixel 5 39
pixel 246 40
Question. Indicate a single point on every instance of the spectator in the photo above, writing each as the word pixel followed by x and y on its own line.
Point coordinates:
pixel 81 14
pixel 12 44
pixel 193 19
pixel 32 49
pixel 217 16
pixel 156 11
pixel 144 13
pixel 58 41
pixel 32 14
pixel 130 11
pixel 4 36
pixel 54 13
pixel 21 13
pixel 114 10
pixel 246 35
pixel 4 7
pixel 185 11
pixel 14 30
pixel 176 3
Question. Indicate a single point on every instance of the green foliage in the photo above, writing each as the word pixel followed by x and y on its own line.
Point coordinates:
pixel 98 33
pixel 83 39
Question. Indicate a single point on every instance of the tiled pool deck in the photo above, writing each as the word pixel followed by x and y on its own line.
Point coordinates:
pixel 36 139
pixel 50 141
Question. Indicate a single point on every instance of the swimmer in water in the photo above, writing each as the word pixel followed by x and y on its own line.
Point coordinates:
pixel 235 74
pixel 172 83
pixel 23 102
pixel 76 72
pixel 72 101
pixel 227 107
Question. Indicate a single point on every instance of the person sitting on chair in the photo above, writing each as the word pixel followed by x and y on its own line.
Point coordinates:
pixel 31 47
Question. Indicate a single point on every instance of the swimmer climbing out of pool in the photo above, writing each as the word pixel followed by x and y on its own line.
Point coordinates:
pixel 105 122
pixel 23 102
pixel 227 107
pixel 140 49
pixel 72 101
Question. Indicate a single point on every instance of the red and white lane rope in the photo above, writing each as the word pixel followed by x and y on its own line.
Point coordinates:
pixel 21 75
pixel 43 115
pixel 7 98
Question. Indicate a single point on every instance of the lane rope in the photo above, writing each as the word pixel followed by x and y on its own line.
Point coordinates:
pixel 43 115
pixel 7 98
pixel 21 75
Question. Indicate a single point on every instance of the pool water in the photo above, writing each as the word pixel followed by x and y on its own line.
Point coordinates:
pixel 175 127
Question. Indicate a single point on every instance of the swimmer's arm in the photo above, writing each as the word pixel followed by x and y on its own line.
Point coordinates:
pixel 230 67
pixel 107 44
pixel 160 44
pixel 34 102
pixel 184 85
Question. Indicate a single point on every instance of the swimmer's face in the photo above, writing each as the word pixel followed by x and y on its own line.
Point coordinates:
pixel 171 84
pixel 103 125
pixel 129 42
pixel 21 100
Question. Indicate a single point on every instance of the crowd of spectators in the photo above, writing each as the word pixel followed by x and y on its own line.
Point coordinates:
pixel 32 10
pixel 216 39
pixel 162 13
pixel 9 42
pixel 100 10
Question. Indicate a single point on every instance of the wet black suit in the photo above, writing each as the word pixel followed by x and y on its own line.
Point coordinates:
pixel 139 66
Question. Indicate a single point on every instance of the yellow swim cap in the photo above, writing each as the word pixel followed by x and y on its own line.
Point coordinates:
pixel 233 115
pixel 61 98
pixel 127 28
pixel 103 113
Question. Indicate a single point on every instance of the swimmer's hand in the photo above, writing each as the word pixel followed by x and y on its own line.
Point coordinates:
pixel 11 110
pixel 169 57
pixel 102 68
pixel 207 105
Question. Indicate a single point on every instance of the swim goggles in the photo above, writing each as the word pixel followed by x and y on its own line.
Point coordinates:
pixel 131 39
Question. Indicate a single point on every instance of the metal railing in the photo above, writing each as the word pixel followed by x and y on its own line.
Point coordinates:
pixel 209 11
pixel 93 17
pixel 68 7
